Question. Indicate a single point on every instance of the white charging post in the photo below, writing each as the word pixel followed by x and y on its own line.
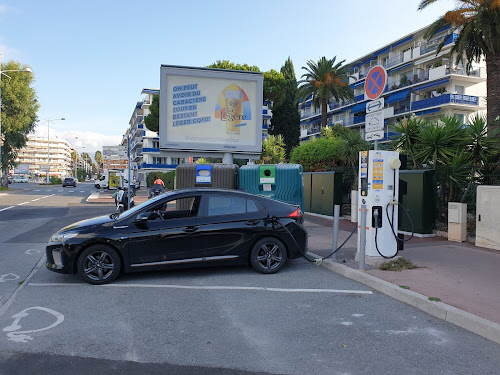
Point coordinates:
pixel 378 189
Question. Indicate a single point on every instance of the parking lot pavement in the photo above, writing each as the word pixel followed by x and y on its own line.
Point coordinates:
pixel 302 320
pixel 462 276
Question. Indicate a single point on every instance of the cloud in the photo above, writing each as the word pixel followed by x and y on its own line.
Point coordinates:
pixel 88 142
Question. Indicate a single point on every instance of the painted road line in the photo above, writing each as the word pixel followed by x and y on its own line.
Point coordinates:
pixel 37 199
pixel 82 191
pixel 47 196
pixel 6 208
pixel 215 287
pixel 20 204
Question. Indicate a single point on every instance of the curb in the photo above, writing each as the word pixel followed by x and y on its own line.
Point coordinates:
pixel 468 321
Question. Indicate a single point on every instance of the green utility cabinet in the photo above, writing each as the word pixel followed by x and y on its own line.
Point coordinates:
pixel 324 190
pixel 206 175
pixel 418 200
pixel 282 182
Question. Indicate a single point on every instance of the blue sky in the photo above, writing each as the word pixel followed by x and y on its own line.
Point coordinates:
pixel 91 59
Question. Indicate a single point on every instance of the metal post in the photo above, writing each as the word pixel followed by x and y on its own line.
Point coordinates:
pixel 336 215
pixel 48 151
pixel 228 158
pixel 376 146
pixel 128 157
pixel 362 238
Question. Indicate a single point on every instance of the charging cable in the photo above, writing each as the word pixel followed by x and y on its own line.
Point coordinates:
pixel 275 221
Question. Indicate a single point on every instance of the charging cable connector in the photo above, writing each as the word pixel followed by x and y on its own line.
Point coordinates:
pixel 393 202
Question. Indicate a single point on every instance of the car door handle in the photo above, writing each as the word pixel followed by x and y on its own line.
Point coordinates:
pixel 192 228
pixel 252 222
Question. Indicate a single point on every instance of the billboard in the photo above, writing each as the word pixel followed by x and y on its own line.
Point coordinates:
pixel 22 169
pixel 210 110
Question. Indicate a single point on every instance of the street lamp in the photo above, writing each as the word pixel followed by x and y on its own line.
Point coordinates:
pixel 2 72
pixel 48 121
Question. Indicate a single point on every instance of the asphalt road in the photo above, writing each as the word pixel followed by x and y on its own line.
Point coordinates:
pixel 303 320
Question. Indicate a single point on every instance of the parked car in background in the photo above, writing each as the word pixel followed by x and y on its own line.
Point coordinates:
pixel 69 181
pixel 181 228
pixel 20 178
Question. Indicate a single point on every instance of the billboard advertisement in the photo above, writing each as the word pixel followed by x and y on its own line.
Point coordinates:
pixel 22 169
pixel 210 110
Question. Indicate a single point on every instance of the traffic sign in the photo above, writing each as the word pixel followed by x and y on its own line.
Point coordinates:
pixel 374 121
pixel 374 136
pixel 375 105
pixel 375 82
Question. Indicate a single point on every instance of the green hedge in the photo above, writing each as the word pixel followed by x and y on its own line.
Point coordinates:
pixel 55 181
pixel 318 155
pixel 167 178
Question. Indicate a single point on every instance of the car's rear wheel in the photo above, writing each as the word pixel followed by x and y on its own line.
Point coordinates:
pixel 268 255
pixel 97 186
pixel 99 265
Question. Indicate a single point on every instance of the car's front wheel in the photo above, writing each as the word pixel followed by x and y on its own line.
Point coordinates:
pixel 97 186
pixel 268 255
pixel 98 265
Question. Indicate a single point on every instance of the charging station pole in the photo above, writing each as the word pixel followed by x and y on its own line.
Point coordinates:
pixel 378 189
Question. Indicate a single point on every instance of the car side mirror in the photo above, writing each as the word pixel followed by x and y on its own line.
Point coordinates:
pixel 141 218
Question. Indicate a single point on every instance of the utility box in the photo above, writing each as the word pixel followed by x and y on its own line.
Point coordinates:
pixel 325 191
pixel 282 182
pixel 457 221
pixel 418 201
pixel 206 175
pixel 488 217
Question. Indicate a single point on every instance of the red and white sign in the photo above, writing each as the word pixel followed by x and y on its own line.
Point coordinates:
pixel 375 82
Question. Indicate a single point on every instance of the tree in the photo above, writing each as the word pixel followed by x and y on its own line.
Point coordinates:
pixel 273 150
pixel 98 159
pixel 19 113
pixel 406 140
pixel 477 22
pixel 273 81
pixel 286 117
pixel 152 120
pixel 323 80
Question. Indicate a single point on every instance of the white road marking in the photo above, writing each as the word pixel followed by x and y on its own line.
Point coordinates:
pixel 71 191
pixel 3 194
pixel 47 196
pixel 6 208
pixel 82 191
pixel 215 287
pixel 34 200
pixel 37 190
pixel 21 336
pixel 20 204
pixel 32 251
pixel 6 277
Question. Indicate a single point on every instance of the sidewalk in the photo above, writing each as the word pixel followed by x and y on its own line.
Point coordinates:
pixel 461 275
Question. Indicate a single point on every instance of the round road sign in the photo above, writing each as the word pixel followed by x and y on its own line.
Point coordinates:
pixel 376 80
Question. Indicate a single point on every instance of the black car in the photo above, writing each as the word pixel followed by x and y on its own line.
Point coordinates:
pixel 182 228
pixel 69 181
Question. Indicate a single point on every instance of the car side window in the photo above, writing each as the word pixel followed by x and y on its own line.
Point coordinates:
pixel 228 205
pixel 176 209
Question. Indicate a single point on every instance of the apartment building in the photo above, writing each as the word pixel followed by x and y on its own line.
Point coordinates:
pixel 419 82
pixel 36 155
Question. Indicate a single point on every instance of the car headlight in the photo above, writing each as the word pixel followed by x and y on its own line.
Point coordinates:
pixel 61 237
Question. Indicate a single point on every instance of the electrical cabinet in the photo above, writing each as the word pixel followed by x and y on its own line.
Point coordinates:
pixel 488 217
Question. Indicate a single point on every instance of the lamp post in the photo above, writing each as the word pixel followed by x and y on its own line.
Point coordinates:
pixel 48 121
pixel 2 72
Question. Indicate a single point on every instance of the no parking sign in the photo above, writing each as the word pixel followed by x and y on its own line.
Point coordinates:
pixel 376 80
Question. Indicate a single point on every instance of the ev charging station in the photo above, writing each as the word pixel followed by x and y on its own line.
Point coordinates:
pixel 378 189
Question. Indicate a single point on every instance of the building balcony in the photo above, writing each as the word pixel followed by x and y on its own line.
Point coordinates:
pixel 151 150
pixel 445 99
pixel 433 44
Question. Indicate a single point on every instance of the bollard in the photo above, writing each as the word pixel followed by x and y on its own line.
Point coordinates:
pixel 336 214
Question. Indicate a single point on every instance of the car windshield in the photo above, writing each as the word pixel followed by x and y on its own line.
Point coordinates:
pixel 139 207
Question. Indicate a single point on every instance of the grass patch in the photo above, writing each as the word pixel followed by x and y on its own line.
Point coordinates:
pixel 20 282
pixel 434 299
pixel 398 265
pixel 3 188
pixel 404 287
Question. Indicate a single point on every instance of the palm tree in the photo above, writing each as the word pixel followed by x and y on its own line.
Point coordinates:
pixel 323 80
pixel 273 150
pixel 477 22
pixel 406 140
pixel 98 159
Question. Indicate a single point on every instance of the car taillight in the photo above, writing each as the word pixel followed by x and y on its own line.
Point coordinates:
pixel 297 214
